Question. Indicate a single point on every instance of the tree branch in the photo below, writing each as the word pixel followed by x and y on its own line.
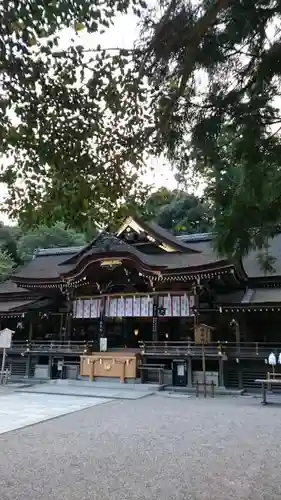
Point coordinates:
pixel 199 31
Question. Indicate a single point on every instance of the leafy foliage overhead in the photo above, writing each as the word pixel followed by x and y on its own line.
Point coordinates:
pixel 68 117
pixel 214 67
pixel 202 86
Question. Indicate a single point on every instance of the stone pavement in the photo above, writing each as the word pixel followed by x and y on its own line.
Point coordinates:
pixel 84 389
pixel 156 448
pixel 19 410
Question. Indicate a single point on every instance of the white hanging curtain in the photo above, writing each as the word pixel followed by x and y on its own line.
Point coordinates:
pixel 87 308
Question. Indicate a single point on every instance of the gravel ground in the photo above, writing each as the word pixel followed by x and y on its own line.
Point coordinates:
pixel 155 448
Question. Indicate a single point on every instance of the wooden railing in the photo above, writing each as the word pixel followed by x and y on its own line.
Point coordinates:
pixel 48 346
pixel 244 350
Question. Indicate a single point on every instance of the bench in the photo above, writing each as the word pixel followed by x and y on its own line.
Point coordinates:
pixel 154 368
pixel 266 385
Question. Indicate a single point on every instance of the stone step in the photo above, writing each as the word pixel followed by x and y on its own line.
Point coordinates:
pixel 98 384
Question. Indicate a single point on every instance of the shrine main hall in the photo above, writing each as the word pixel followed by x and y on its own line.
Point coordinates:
pixel 143 305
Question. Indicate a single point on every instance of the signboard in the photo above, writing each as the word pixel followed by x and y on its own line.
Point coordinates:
pixel 111 263
pixel 103 344
pixel 6 338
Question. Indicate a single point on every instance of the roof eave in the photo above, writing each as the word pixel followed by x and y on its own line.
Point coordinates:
pixel 38 282
pixel 146 227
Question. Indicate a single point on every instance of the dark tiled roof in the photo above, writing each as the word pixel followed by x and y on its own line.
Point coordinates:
pixel 50 264
pixel 123 248
pixel 59 251
pixel 262 295
pixel 202 242
pixel 184 260
pixel 15 305
pixel 252 296
pixel 252 265
pixel 165 260
pixel 42 267
pixel 230 298
pixel 9 287
pixel 251 262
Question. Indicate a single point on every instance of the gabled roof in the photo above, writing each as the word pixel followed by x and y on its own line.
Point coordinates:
pixel 52 266
pixel 167 240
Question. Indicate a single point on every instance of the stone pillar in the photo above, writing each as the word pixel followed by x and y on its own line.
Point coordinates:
pixel 50 366
pixel 189 371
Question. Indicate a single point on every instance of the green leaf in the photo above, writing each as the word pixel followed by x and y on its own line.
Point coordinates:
pixel 79 26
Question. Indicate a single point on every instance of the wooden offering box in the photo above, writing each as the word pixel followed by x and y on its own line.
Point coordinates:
pixel 122 365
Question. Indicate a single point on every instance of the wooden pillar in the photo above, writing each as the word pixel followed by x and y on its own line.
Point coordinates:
pixel 30 333
pixel 237 338
pixel 61 326
pixel 240 376
pixel 155 318
pixel 221 372
pixel 102 318
pixel 68 323
pixel 28 366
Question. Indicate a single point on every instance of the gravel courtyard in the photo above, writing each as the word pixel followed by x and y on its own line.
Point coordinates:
pixel 154 448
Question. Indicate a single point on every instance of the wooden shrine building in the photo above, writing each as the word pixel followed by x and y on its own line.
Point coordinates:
pixel 147 300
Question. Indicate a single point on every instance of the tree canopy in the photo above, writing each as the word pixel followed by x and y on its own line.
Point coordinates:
pixel 6 265
pixel 178 211
pixel 214 67
pixel 68 116
pixel 201 86
pixel 43 236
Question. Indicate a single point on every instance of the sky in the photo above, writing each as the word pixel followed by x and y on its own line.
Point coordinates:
pixel 122 34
